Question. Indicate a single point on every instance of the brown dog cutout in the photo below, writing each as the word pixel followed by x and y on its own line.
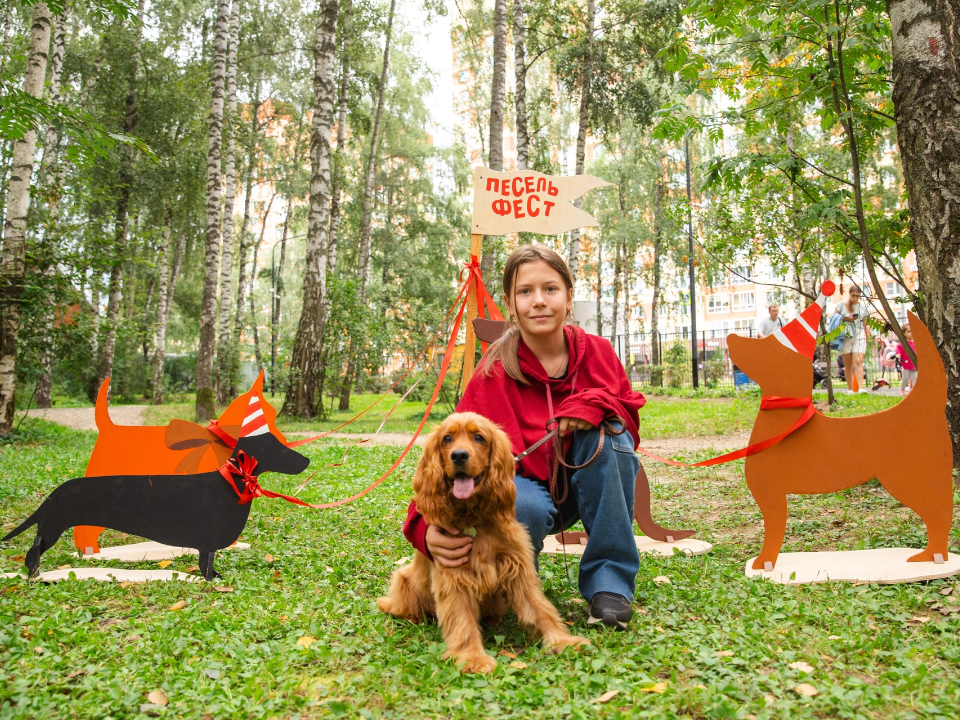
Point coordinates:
pixel 829 454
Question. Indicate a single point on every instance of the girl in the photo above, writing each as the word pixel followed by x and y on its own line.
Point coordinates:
pixel 908 371
pixel 543 369
pixel 854 346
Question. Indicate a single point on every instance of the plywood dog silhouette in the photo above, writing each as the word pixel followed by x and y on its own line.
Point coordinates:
pixel 180 447
pixel 206 511
pixel 829 454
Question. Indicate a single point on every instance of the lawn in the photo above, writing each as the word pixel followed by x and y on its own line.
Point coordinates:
pixel 298 633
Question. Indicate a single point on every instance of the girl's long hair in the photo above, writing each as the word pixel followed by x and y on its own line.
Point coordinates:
pixel 505 349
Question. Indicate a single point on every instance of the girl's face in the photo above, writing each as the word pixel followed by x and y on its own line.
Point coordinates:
pixel 907 333
pixel 542 300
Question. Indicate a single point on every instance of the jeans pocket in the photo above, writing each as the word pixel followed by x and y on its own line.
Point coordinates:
pixel 622 442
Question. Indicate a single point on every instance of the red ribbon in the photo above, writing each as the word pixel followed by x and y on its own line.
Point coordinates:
pixel 244 468
pixel 767 403
pixel 227 439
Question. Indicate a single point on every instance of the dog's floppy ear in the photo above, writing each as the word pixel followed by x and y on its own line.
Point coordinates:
pixel 503 492
pixel 429 481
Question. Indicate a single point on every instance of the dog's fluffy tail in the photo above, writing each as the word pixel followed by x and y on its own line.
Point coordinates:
pixel 32 520
pixel 931 377
pixel 102 410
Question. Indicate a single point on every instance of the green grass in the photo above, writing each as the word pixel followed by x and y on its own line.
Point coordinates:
pixel 85 649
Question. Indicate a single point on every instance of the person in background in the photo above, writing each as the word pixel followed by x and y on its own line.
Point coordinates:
pixel 908 371
pixel 769 325
pixel 854 346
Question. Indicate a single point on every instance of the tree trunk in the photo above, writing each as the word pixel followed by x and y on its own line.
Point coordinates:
pixel 599 285
pixel 365 223
pixel 121 218
pixel 253 278
pixel 13 255
pixel 51 177
pixel 160 335
pixel 244 243
pixel 520 94
pixel 617 269
pixel 301 396
pixel 498 91
pixel 338 164
pixel 277 297
pixel 657 251
pixel 208 305
pixel 926 95
pixel 368 189
pixel 224 344
pixel 573 256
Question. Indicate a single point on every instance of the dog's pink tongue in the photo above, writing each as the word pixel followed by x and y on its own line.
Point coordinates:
pixel 463 487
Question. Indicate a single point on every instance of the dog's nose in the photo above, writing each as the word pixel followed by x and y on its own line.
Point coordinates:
pixel 459 457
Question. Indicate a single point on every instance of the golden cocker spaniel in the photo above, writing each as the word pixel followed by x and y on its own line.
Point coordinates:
pixel 465 480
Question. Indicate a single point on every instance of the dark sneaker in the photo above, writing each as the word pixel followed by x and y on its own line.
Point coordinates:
pixel 610 609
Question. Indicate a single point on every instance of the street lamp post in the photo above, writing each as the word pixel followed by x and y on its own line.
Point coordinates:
pixel 693 286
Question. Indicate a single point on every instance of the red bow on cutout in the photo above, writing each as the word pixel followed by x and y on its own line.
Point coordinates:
pixel 244 468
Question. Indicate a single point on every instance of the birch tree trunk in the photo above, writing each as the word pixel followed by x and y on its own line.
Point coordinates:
pixel 253 278
pixel 160 335
pixel 277 297
pixel 337 168
pixel 599 285
pixel 926 96
pixel 208 305
pixel 301 397
pixel 51 177
pixel 13 253
pixel 498 91
pixel 121 218
pixel 368 179
pixel 573 256
pixel 365 223
pixel 657 251
pixel 224 344
pixel 520 94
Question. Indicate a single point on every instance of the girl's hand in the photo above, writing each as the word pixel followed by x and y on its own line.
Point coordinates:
pixel 447 546
pixel 569 424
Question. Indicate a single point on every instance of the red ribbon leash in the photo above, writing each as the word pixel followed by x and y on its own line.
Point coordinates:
pixel 244 468
pixel 767 403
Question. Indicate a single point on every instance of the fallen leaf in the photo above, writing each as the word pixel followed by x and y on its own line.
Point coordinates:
pixel 806 690
pixel 107 623
pixel 306 641
pixel 127 584
pixel 518 664
pixel 328 569
pixel 608 696
pixel 64 567
pixel 507 653
pixel 268 558
pixel 384 552
pixel 725 653
pixel 151 709
pixel 947 590
pixel 341 554
pixel 179 605
pixel 661 579
pixel 834 637
pixel 568 622
pixel 401 561
pixel 19 558
pixel 223 588
pixel 919 619
pixel 76 673
pixel 659 687
pixel 801 666
pixel 158 697
pixel 283 618
pixel 164 564
pixel 192 569
pixel 276 574
pixel 949 610
pixel 49 468
pixel 38 650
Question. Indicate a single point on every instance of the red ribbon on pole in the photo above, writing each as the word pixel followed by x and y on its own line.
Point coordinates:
pixel 767 403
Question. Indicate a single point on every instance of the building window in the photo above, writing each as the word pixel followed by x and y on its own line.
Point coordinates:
pixel 743 301
pixel 741 276
pixel 743 327
pixel 719 303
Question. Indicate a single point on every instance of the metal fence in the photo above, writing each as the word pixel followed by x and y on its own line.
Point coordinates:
pixel 715 369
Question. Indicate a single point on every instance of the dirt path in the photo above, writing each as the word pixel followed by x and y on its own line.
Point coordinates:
pixel 83 418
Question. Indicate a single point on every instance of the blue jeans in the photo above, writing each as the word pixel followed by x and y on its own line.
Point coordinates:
pixel 601 495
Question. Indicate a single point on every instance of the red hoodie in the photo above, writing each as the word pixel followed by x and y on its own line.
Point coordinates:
pixel 594 388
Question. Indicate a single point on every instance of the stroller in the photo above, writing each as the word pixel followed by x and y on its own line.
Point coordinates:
pixel 887 360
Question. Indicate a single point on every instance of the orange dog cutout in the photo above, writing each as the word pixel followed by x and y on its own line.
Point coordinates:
pixel 180 447
pixel 829 454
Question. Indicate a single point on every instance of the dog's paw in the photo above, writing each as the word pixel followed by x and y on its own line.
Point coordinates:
pixel 481 663
pixel 555 646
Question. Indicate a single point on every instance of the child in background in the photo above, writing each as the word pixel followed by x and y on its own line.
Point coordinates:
pixel 908 369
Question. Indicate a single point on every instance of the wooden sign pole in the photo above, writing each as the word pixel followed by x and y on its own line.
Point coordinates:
pixel 470 345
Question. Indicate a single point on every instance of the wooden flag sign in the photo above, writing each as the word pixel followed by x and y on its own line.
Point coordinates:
pixel 528 201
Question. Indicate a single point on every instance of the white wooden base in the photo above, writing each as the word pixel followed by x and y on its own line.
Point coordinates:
pixel 148 551
pixel 883 566
pixel 688 546
pixel 112 575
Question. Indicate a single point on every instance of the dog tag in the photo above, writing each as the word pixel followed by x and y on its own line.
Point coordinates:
pixel 938 558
